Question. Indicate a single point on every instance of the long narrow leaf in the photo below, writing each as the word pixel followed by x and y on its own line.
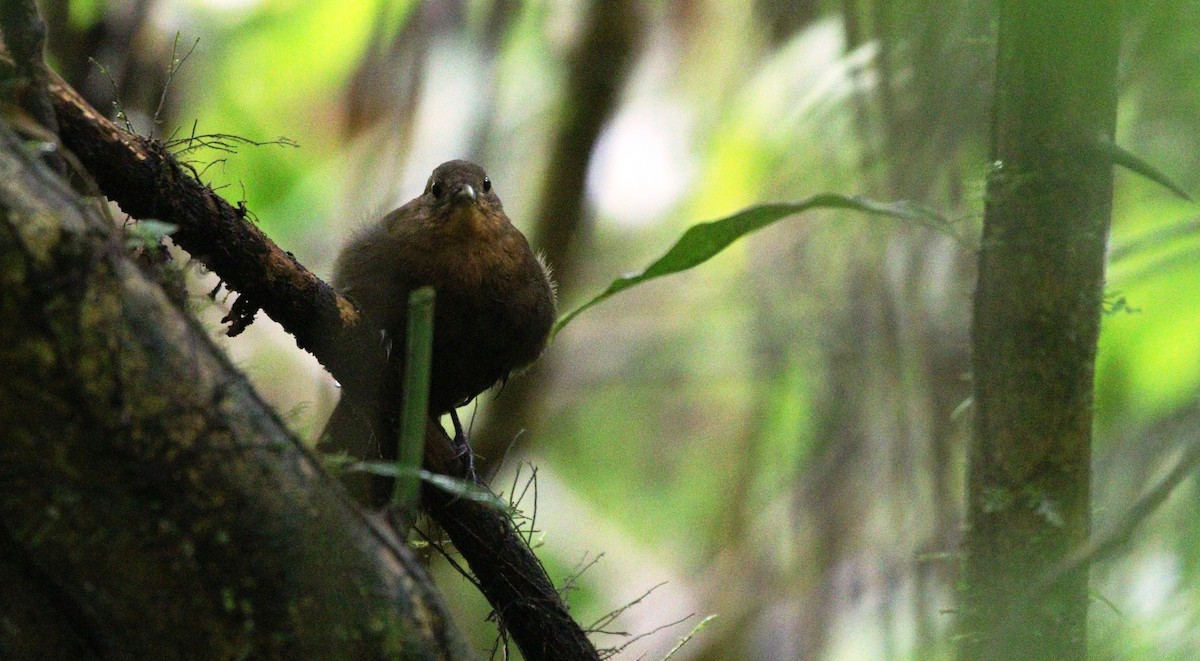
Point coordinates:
pixel 1132 162
pixel 701 242
pixel 691 634
pixel 1159 238
pixel 454 486
pixel 414 416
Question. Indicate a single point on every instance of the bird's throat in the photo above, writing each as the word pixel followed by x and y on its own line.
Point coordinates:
pixel 470 222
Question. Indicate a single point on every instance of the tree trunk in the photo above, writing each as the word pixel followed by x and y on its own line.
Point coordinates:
pixel 151 506
pixel 1036 320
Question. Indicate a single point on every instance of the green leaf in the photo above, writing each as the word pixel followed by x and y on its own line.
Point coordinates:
pixel 684 641
pixel 454 486
pixel 1129 161
pixel 147 234
pixel 465 489
pixel 157 229
pixel 701 242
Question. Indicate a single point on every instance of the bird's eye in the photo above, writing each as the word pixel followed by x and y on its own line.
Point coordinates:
pixel 436 188
pixel 487 185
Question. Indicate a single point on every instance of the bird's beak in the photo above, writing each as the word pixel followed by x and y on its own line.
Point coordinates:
pixel 466 192
pixel 466 212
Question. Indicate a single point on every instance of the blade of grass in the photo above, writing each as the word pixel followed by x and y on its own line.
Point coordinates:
pixel 415 412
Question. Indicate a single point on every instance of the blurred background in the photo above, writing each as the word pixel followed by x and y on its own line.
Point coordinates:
pixel 778 436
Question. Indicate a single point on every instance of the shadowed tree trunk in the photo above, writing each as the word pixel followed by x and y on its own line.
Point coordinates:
pixel 151 505
pixel 1036 321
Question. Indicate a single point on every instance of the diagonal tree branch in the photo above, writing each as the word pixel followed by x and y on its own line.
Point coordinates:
pixel 147 181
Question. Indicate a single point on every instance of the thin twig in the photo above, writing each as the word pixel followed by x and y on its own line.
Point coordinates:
pixel 608 617
pixel 621 648
pixel 172 69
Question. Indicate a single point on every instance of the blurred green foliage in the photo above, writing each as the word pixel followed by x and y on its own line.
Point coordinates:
pixel 770 432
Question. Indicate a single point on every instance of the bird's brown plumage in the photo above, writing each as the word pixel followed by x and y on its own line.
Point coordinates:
pixel 495 300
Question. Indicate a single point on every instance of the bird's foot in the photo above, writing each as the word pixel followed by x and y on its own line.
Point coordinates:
pixel 463 447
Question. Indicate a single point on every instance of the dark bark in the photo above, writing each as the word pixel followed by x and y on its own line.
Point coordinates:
pixel 151 506
pixel 24 36
pixel 534 614
pixel 1036 321
pixel 147 182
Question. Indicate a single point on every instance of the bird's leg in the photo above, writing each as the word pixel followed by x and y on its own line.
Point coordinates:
pixel 463 447
pixel 385 341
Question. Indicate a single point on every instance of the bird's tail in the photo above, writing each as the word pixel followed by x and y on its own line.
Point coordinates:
pixel 351 434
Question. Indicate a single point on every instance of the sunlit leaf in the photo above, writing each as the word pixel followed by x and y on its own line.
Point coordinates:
pixel 704 241
pixel 458 488
pixel 695 630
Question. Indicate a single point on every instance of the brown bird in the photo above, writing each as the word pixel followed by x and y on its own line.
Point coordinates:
pixel 495 300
